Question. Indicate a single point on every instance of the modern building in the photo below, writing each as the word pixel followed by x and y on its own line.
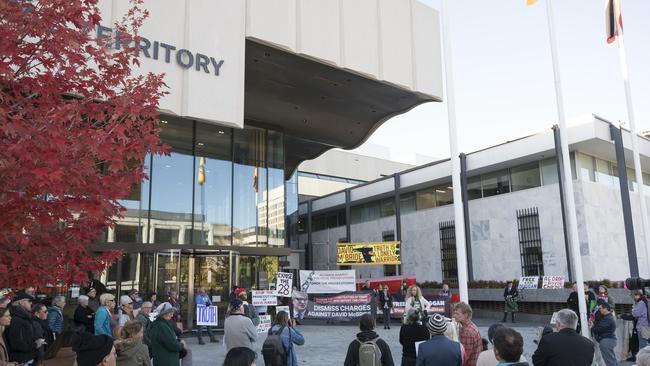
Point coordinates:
pixel 514 206
pixel 255 88
pixel 336 170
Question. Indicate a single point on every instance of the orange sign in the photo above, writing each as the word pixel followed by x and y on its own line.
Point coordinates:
pixel 359 254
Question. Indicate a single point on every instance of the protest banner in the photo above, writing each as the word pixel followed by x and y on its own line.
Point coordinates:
pixel 283 285
pixel 358 254
pixel 207 315
pixel 265 324
pixel 528 283
pixel 264 298
pixel 327 282
pixel 553 282
pixel 345 306
pixel 439 305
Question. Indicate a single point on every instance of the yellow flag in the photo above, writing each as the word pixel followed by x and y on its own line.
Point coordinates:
pixel 530 2
pixel 201 170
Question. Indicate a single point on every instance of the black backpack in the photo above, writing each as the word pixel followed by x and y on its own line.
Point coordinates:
pixel 273 350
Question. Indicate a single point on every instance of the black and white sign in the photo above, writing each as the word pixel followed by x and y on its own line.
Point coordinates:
pixel 553 282
pixel 528 283
pixel 265 324
pixel 207 315
pixel 327 282
pixel 284 283
pixel 264 298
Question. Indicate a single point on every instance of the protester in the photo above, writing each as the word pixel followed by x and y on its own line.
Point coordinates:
pixel 411 332
pixel 508 347
pixel 4 302
pixel 601 297
pixel 404 289
pixel 566 346
pixel 84 316
pixel 386 305
pixel 55 315
pixel 249 310
pixel 126 310
pixel 368 348
pixel 176 304
pixel 93 302
pixel 94 350
pixel 145 320
pixel 439 350
pixel 19 336
pixel 131 351
pixel 5 320
pixel 452 331
pixel 42 330
pixel 153 298
pixel 469 335
pixel 604 330
pixel 202 299
pixel 639 316
pixel 510 295
pixel 165 347
pixel 366 286
pixel 415 300
pixel 240 356
pixel 103 315
pixel 134 294
pixel 239 330
pixel 286 328
pixel 488 357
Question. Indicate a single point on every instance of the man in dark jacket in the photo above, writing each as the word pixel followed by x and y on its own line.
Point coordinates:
pixel 439 350
pixel 565 347
pixel 386 304
pixel 367 334
pixel 21 343
pixel 604 330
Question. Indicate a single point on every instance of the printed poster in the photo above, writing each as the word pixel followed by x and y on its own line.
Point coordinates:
pixel 327 282
pixel 207 315
pixel 359 254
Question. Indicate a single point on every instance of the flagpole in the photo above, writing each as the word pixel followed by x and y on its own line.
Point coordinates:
pixel 566 165
pixel 638 173
pixel 459 219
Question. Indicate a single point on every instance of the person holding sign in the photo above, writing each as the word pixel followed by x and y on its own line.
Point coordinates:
pixel 416 301
pixel 510 295
pixel 202 298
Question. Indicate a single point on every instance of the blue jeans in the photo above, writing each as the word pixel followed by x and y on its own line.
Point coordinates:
pixel 200 331
pixel 607 346
pixel 642 342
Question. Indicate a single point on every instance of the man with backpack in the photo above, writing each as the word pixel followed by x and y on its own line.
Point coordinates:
pixel 278 347
pixel 368 349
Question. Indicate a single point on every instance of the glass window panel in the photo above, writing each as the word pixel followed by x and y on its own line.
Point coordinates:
pixel 603 172
pixel 495 183
pixel 371 211
pixel 425 198
pixel 387 207
pixel 357 213
pixel 549 171
pixel 631 180
pixel 444 195
pixel 249 187
pixel 213 196
pixel 525 176
pixel 474 188
pixel 137 207
pixel 587 168
pixel 275 195
pixel 291 193
pixel 407 203
pixel 126 233
pixel 166 236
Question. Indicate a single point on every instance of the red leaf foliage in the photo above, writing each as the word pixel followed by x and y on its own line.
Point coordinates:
pixel 75 125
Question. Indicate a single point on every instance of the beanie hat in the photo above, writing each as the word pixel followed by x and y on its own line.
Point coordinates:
pixel 437 324
pixel 240 291
pixel 235 303
pixel 22 296
pixel 92 349
pixel 165 308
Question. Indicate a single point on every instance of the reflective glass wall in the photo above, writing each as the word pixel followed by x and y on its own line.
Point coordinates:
pixel 217 187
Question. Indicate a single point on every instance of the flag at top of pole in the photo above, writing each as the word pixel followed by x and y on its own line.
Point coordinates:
pixel 201 171
pixel 614 20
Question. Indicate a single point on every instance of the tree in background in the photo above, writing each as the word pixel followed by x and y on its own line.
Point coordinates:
pixel 75 126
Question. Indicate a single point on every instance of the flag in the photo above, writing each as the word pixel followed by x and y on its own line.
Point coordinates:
pixel 613 20
pixel 255 179
pixel 530 2
pixel 201 171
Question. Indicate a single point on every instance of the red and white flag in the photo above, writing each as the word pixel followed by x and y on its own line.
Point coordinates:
pixel 613 20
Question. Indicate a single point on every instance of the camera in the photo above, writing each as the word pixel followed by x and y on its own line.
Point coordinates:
pixel 636 283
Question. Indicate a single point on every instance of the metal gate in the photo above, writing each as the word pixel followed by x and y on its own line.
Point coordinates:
pixel 530 242
pixel 448 252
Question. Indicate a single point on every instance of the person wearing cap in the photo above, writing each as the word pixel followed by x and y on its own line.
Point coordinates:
pixel 468 335
pixel 604 331
pixel 249 310
pixel 165 347
pixel 439 350
pixel 135 298
pixel 21 343
pixel 368 334
pixel 103 315
pixel 487 357
pixel 93 302
pixel 126 310
pixel 94 350
pixel 238 329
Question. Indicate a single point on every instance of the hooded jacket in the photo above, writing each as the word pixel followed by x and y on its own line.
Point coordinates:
pixel 352 357
pixel 132 352
pixel 165 347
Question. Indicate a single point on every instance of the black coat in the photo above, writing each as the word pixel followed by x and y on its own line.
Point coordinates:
pixel 42 330
pixel 385 298
pixel 352 357
pixel 564 348
pixel 409 334
pixel 20 336
pixel 84 318
pixel 513 292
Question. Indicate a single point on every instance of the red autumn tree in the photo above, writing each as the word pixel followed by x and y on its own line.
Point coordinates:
pixel 75 125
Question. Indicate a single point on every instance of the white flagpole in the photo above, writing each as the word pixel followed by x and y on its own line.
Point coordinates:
pixel 635 148
pixel 461 253
pixel 568 179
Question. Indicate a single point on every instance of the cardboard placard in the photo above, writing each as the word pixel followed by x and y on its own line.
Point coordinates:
pixel 207 315
pixel 264 298
pixel 553 282
pixel 528 283
pixel 284 284
pixel 265 324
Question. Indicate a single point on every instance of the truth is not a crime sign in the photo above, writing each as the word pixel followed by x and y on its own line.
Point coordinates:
pixel 207 315
pixel 283 285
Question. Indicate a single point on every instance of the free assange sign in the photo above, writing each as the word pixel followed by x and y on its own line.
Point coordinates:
pixel 207 315
pixel 158 50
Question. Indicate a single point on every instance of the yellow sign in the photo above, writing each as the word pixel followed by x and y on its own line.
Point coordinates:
pixel 368 254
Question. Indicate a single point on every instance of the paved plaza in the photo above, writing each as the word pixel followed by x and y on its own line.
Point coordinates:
pixel 326 345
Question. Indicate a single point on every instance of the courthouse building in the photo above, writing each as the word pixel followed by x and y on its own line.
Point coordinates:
pixel 255 88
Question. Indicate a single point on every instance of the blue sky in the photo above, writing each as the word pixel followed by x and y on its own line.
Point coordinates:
pixel 504 75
